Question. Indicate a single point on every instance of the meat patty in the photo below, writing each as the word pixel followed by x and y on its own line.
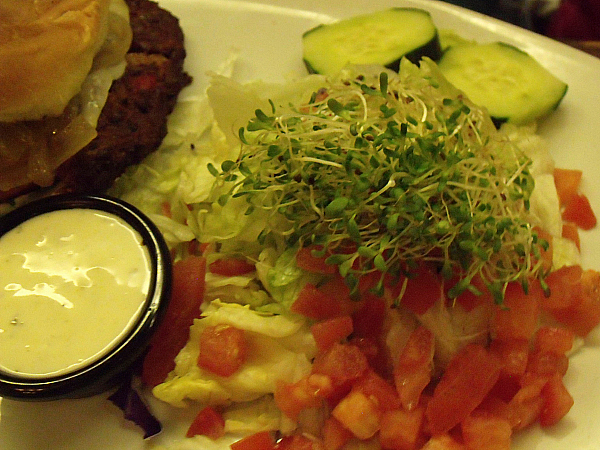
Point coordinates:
pixel 133 122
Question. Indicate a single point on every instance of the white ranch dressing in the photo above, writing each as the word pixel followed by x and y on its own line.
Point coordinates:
pixel 73 282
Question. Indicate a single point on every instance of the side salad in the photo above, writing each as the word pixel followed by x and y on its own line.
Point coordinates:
pixel 364 260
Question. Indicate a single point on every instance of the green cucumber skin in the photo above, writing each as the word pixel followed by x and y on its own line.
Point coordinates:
pixel 431 48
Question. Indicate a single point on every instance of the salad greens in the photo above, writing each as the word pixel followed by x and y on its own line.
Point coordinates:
pixel 378 171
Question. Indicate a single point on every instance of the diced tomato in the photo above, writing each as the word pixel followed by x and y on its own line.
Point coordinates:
pixel 297 442
pixel 563 284
pixel 486 432
pixel 330 331
pixel 377 353
pixel 575 298
pixel 513 355
pixel 231 267
pixel 335 436
pixel 554 339
pixel 518 317
pixel 567 183
pixel 469 377
pixel 184 306
pixel 401 429
pixel 579 211
pixel 547 363
pixel 570 231
pixel 505 388
pixel 525 406
pixel 495 406
pixel 368 320
pixel 315 264
pixel 422 291
pixel 557 401
pixel 588 312
pixel 413 370
pixel 359 414
pixel 308 392
pixel 379 390
pixel 209 423
pixel 469 300
pixel 336 288
pixel 316 304
pixel 443 442
pixel 257 441
pixel 368 281
pixel 223 349
pixel 341 363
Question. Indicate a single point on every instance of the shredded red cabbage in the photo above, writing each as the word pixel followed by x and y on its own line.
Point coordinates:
pixel 135 410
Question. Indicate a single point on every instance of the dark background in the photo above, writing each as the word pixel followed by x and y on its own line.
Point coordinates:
pixel 576 22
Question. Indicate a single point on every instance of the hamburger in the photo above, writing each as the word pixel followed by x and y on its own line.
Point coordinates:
pixel 86 87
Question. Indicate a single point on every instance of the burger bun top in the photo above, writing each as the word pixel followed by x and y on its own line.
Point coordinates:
pixel 47 49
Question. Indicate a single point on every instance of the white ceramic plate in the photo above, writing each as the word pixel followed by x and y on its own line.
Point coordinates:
pixel 267 35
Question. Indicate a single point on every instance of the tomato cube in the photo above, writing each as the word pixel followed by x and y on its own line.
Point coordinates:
pixel 298 442
pixel 379 390
pixel 306 260
pixel 308 392
pixel 579 211
pixel 567 183
pixel 486 432
pixel 575 298
pixel 413 370
pixel 570 231
pixel 563 284
pixel 231 267
pixel 422 291
pixel 335 436
pixel 171 336
pixel 557 402
pixel 313 303
pixel 208 422
pixel 518 317
pixel 554 339
pixel 359 414
pixel 401 429
pixel 223 349
pixel 470 376
pixel 443 442
pixel 257 441
pixel 527 403
pixel 513 355
pixel 368 320
pixel 330 331
pixel 342 363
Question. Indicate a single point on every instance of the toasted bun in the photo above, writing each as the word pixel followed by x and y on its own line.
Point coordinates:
pixel 46 51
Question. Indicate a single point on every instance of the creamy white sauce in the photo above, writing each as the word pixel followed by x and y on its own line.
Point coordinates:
pixel 72 284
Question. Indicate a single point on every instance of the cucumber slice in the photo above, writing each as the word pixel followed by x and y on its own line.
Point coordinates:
pixel 383 38
pixel 512 85
pixel 449 38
